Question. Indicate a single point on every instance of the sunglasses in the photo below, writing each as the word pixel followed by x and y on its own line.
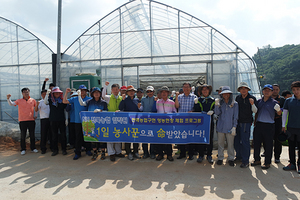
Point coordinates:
pixel 149 91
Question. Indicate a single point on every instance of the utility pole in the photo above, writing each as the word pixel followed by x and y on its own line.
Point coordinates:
pixel 58 54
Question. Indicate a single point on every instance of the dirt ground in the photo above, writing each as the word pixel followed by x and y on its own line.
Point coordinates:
pixel 37 176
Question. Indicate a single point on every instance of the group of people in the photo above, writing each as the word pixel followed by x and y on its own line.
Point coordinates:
pixel 273 116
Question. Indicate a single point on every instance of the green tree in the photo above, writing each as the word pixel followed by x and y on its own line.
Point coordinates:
pixel 279 65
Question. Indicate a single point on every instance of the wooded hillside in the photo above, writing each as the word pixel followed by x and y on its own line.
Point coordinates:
pixel 278 65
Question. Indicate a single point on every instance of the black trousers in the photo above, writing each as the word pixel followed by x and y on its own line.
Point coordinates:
pixel 128 149
pixel 164 148
pixel 45 134
pixel 277 144
pixel 293 141
pixel 61 126
pixel 263 133
pixel 30 125
pixel 72 133
pixel 79 141
pixel 145 149
pixel 186 147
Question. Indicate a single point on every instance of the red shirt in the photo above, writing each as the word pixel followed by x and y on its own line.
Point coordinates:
pixel 26 109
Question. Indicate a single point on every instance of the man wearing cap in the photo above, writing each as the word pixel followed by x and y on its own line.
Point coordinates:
pixel 291 125
pixel 278 123
pixel 165 105
pixel 227 109
pixel 139 94
pixel 79 141
pixel 205 103
pixel 123 90
pixel 57 118
pixel 247 107
pixel 96 104
pixel 185 103
pixel 130 104
pixel 46 132
pixel 264 129
pixel 26 118
pixel 113 101
pixel 146 106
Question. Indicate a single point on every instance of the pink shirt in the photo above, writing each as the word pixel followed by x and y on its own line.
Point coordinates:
pixel 167 106
pixel 26 109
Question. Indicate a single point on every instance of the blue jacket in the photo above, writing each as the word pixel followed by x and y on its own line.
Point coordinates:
pixel 228 116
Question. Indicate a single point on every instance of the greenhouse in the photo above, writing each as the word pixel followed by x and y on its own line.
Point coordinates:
pixel 140 43
pixel 25 61
pixel 149 43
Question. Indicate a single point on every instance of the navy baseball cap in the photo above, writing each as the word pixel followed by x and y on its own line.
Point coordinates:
pixel 268 86
pixel 140 90
pixel 82 87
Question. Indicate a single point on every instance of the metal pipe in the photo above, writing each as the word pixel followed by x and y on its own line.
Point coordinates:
pixel 58 58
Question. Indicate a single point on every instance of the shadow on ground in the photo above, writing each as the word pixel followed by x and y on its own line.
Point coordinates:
pixel 35 172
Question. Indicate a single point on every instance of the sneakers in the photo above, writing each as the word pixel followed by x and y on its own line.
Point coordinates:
pixel 243 165
pixel 170 158
pixel 89 153
pixel 43 151
pixel 95 155
pixel 152 156
pixel 200 159
pixel 289 167
pixel 23 152
pixel 191 158
pixel 219 162
pixel 76 157
pixel 64 152
pixel 145 156
pixel 54 153
pixel 255 163
pixel 277 160
pixel 35 151
pixel 120 155
pixel 210 160
pixel 159 157
pixel 102 155
pixel 130 156
pixel 136 155
pixel 112 158
pixel 231 163
pixel 265 166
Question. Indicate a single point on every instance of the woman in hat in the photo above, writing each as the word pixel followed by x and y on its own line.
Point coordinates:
pixel 96 104
pixel 205 103
pixel 57 118
pixel 227 109
pixel 130 104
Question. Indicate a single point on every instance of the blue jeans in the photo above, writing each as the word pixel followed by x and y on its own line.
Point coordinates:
pixel 242 142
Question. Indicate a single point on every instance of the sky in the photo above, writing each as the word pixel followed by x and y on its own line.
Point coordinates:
pixel 249 24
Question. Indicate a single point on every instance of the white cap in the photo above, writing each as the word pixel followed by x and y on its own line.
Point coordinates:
pixel 74 94
pixel 151 88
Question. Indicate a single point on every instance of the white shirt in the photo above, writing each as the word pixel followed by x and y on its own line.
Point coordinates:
pixel 44 109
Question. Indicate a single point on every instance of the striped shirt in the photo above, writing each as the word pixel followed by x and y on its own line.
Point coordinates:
pixel 186 103
pixel 167 106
